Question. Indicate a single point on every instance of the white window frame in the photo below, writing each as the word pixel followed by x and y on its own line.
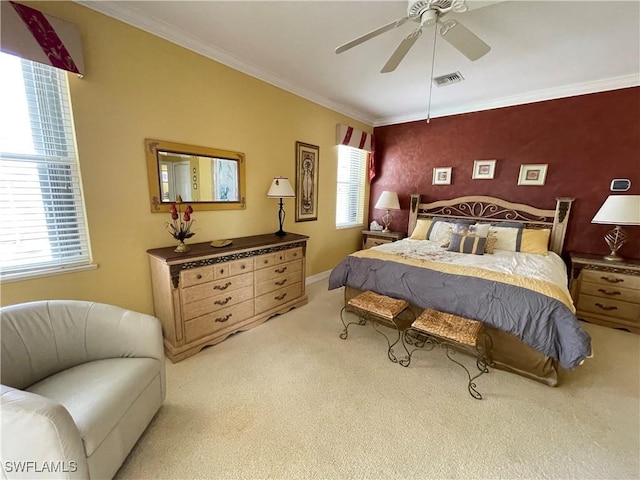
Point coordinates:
pixel 351 186
pixel 43 226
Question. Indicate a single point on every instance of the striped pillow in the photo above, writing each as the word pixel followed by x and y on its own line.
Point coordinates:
pixel 467 244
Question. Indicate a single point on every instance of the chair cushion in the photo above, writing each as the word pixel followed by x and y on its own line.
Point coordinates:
pixel 98 394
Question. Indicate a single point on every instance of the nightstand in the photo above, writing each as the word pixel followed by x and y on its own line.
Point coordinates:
pixel 605 292
pixel 372 238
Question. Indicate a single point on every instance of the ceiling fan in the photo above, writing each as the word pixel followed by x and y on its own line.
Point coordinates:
pixel 428 13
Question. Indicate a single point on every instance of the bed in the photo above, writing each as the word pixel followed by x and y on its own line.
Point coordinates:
pixel 516 286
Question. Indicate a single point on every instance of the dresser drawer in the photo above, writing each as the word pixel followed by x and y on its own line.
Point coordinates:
pixel 239 267
pixel 608 278
pixel 213 304
pixel 608 307
pixel 213 322
pixel 264 261
pixel 210 289
pixel 611 292
pixel 277 271
pixel 278 282
pixel 196 276
pixel 293 254
pixel 278 297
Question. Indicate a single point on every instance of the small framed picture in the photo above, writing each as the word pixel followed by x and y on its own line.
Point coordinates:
pixel 441 176
pixel 484 169
pixel 532 174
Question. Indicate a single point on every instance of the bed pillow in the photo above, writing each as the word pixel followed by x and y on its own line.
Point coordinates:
pixel 535 240
pixel 467 244
pixel 421 229
pixel 519 239
pixel 479 229
pixel 439 230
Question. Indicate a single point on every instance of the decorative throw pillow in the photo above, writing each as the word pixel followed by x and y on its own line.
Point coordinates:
pixel 490 245
pixel 508 238
pixel 479 229
pixel 421 229
pixel 467 244
pixel 535 240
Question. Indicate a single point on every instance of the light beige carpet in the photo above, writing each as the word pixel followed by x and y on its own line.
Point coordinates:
pixel 291 400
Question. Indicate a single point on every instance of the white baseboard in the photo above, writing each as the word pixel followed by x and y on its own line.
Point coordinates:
pixel 317 277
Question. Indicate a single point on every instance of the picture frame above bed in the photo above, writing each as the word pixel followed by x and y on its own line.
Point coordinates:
pixel 442 176
pixel 532 174
pixel 483 169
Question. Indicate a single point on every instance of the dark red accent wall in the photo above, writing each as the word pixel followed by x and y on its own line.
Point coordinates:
pixel 586 140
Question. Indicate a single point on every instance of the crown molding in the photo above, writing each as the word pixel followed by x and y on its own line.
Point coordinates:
pixel 572 90
pixel 124 13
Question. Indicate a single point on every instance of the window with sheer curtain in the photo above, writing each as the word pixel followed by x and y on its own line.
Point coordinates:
pixel 352 168
pixel 42 220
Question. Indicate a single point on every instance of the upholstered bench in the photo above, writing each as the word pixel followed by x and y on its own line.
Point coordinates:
pixel 378 310
pixel 451 332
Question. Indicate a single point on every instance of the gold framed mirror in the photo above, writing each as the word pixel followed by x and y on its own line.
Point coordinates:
pixel 206 178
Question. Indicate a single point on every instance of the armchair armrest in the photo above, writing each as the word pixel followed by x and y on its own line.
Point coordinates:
pixel 44 429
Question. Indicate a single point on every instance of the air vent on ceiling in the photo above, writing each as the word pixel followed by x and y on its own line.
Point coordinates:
pixel 448 79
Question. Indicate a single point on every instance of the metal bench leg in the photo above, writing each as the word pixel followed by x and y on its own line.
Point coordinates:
pixel 345 331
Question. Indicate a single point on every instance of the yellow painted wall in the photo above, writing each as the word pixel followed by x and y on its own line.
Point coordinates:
pixel 139 86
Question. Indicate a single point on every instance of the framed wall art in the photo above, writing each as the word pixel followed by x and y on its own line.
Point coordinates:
pixel 532 174
pixel 307 163
pixel 442 176
pixel 483 169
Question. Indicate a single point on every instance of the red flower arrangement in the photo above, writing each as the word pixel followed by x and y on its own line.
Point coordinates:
pixel 180 228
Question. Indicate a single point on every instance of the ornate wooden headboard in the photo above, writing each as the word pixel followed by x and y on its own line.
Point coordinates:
pixel 491 209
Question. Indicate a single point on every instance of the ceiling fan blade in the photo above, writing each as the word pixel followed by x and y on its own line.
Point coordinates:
pixel 467 42
pixel 370 35
pixel 401 51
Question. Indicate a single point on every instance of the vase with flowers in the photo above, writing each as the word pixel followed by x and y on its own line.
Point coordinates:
pixel 180 225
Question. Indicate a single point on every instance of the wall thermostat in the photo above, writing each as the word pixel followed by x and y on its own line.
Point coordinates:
pixel 620 184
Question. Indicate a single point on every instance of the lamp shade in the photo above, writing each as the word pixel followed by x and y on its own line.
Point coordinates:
pixel 280 188
pixel 388 201
pixel 619 210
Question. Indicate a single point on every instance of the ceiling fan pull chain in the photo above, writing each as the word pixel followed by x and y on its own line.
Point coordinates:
pixel 433 59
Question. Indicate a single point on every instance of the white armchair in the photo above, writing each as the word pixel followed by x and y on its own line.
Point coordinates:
pixel 80 383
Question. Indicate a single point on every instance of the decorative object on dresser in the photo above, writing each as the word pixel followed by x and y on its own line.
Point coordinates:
pixel 281 188
pixel 388 201
pixel 206 295
pixel 307 161
pixel 618 210
pixel 373 238
pixel 606 293
pixel 180 226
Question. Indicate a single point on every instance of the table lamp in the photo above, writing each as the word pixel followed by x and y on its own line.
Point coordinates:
pixel 281 188
pixel 387 201
pixel 618 210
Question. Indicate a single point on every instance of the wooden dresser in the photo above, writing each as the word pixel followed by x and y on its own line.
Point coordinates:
pixel 205 295
pixel 605 292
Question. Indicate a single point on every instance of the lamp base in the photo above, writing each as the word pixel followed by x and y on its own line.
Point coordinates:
pixel 613 257
pixel 281 233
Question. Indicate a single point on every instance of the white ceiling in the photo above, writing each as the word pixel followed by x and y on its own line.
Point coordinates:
pixel 540 50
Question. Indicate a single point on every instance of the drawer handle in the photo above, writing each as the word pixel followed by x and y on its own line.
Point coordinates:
pixel 222 302
pixel 282 282
pixel 615 292
pixel 606 307
pixel 378 243
pixel 280 297
pixel 612 279
pixel 198 276
pixel 281 270
pixel 242 267
pixel 222 287
pixel 294 255
pixel 222 270
pixel 223 319
pixel 265 261
pixel 280 257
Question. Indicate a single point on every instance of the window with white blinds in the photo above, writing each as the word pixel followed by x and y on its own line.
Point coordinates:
pixel 352 167
pixel 42 221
